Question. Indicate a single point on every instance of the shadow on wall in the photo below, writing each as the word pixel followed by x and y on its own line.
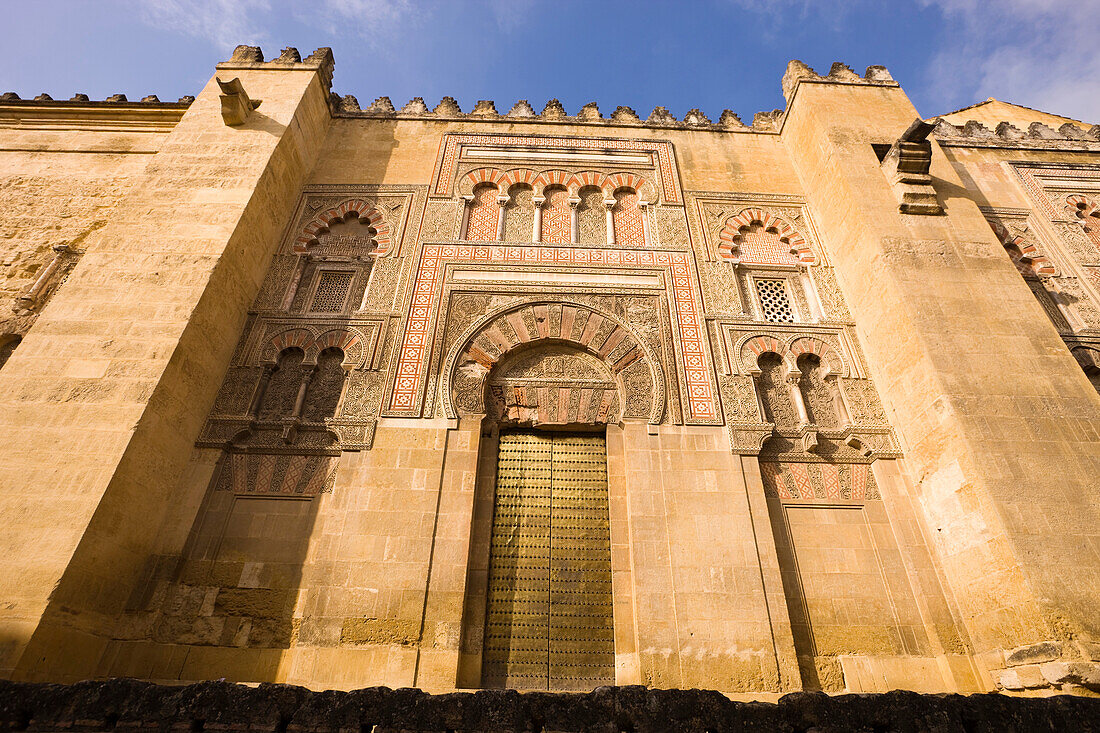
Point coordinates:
pixel 237 583
pixel 8 342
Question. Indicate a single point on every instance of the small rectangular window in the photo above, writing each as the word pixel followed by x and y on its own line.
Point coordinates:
pixel 332 292
pixel 775 305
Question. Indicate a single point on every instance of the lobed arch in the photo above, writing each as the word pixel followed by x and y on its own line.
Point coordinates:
pixel 478 177
pixel 732 230
pixel 383 237
pixel 751 347
pixel 541 180
pixel 516 176
pixel 496 337
pixel 641 186
pixel 830 359
pixel 1029 252
pixel 1081 206
pixel 350 341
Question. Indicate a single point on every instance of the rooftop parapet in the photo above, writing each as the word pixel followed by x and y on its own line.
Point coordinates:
pixel 798 72
pixel 82 100
pixel 1006 134
pixel 553 112
pixel 252 57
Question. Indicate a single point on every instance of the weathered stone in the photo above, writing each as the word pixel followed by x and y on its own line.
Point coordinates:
pixel 1086 674
pixel 261 410
pixel 1034 653
pixel 1020 678
pixel 1089 650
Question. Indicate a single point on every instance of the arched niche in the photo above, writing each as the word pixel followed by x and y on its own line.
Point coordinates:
pixel 566 345
pixel 552 383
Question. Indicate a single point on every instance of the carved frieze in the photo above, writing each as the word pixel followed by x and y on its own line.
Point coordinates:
pixel 818 482
pixel 520 352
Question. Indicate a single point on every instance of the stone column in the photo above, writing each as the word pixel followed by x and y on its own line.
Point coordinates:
pixel 122 367
pixel 536 233
pixel 1002 428
pixel 464 229
pixel 608 204
pixel 502 201
pixel 574 231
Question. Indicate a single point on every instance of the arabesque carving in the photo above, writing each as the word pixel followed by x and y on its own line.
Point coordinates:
pixel 581 337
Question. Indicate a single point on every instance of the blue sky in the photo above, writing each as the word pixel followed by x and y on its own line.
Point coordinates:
pixel 710 54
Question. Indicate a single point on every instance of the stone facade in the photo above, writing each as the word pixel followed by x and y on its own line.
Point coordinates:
pixel 842 366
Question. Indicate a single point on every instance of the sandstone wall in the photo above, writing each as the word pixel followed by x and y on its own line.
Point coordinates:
pixel 63 169
pixel 122 367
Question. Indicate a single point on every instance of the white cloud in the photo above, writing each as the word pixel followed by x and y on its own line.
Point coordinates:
pixel 511 14
pixel 371 19
pixel 225 23
pixel 1038 53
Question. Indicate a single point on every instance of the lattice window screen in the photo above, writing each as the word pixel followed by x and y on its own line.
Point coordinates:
pixel 774 302
pixel 332 292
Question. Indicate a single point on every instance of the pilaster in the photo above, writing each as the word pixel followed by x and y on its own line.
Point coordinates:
pixel 1001 425
pixel 105 397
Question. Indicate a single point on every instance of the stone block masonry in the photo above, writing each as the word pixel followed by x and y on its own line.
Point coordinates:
pixel 123 364
pixel 825 390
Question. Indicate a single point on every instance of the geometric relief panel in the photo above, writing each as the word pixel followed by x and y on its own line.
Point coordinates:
pixel 415 350
pixel 277 474
pixel 818 482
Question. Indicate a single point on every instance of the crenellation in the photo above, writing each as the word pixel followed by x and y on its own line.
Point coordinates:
pixel 661 116
pixel 589 113
pixel 522 108
pixel 448 107
pixel 252 57
pixel 839 73
pixel 696 117
pixel 767 121
pixel 347 103
pixel 251 54
pixel 1042 132
pixel 78 100
pixel 1067 136
pixel 381 106
pixel 415 107
pixel 1010 132
pixel 625 114
pixel 289 55
pixel 553 111
pixel 484 108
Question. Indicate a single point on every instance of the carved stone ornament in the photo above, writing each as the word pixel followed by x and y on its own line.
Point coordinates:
pixel 236 106
pixel 552 362
pixel 907 165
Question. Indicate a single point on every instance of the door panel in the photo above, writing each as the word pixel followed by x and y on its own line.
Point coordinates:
pixel 549 611
pixel 582 644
